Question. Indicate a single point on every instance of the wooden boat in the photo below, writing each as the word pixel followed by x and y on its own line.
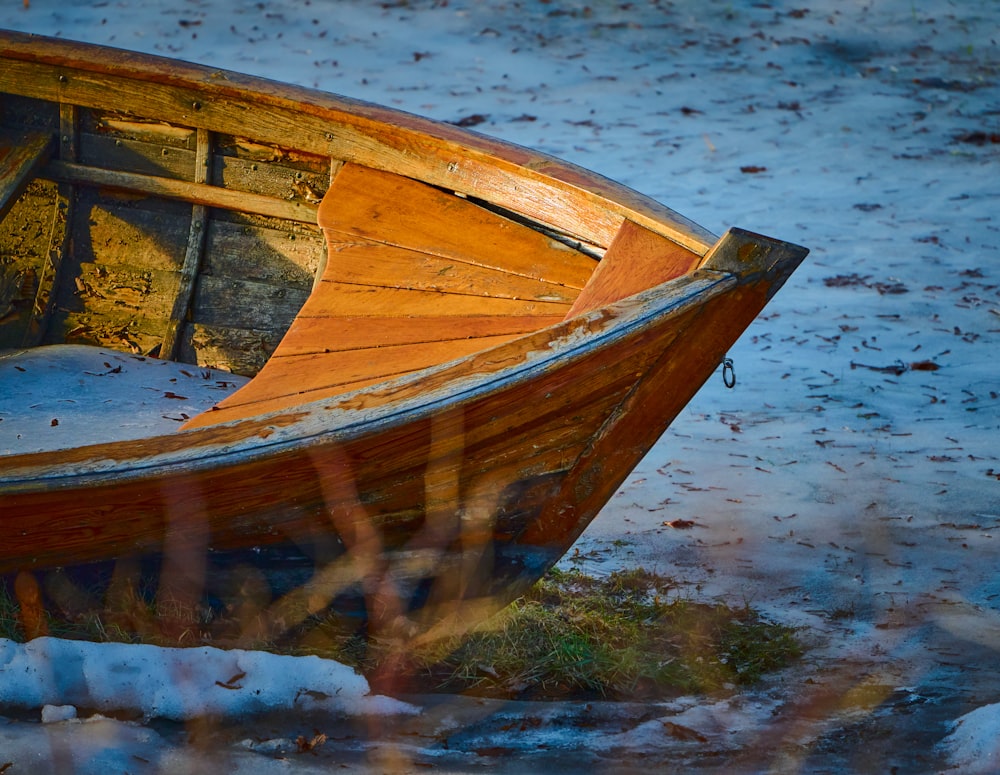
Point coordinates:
pixel 440 354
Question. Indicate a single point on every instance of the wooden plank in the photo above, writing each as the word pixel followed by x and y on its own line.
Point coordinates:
pixel 296 374
pixel 406 257
pixel 638 259
pixel 292 380
pixel 142 158
pixel 239 350
pixel 196 193
pixel 192 255
pixel 330 334
pixel 350 300
pixel 270 178
pixel 224 301
pixel 242 248
pixel 113 231
pixel 21 156
pixel 371 263
pixel 388 208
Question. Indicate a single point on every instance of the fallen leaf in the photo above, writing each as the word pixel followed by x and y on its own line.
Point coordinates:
pixel 681 732
pixel 306 745
pixel 472 120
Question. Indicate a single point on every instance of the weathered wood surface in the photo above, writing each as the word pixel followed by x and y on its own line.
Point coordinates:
pixel 195 193
pixel 20 157
pixel 191 265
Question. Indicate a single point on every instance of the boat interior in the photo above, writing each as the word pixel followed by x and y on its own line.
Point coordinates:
pixel 312 275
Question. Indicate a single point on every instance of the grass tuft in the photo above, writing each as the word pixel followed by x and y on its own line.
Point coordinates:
pixel 627 636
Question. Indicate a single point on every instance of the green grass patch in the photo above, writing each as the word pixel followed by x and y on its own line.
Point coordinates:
pixel 625 637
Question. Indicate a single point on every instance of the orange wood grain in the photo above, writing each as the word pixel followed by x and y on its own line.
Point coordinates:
pixel 414 277
pixel 336 299
pixel 372 263
pixel 295 379
pixel 330 334
pixel 688 357
pixel 383 207
pixel 636 260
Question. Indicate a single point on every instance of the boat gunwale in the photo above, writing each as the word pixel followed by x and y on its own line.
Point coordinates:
pixel 368 119
pixel 309 424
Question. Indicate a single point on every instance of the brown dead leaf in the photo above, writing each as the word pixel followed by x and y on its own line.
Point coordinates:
pixel 307 745
pixel 471 120
pixel 681 732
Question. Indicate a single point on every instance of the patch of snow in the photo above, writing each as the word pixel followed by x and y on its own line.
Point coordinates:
pixel 973 744
pixel 177 684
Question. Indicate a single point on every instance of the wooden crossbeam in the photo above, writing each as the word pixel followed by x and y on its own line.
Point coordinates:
pixel 197 193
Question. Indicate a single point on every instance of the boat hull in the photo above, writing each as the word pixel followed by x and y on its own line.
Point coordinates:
pixel 472 444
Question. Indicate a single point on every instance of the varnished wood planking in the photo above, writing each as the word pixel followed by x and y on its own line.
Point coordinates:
pixel 376 264
pixel 336 299
pixel 684 363
pixel 637 259
pixel 395 210
pixel 400 249
pixel 329 334
pixel 291 380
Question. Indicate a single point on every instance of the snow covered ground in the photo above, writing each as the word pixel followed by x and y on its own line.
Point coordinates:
pixel 850 484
